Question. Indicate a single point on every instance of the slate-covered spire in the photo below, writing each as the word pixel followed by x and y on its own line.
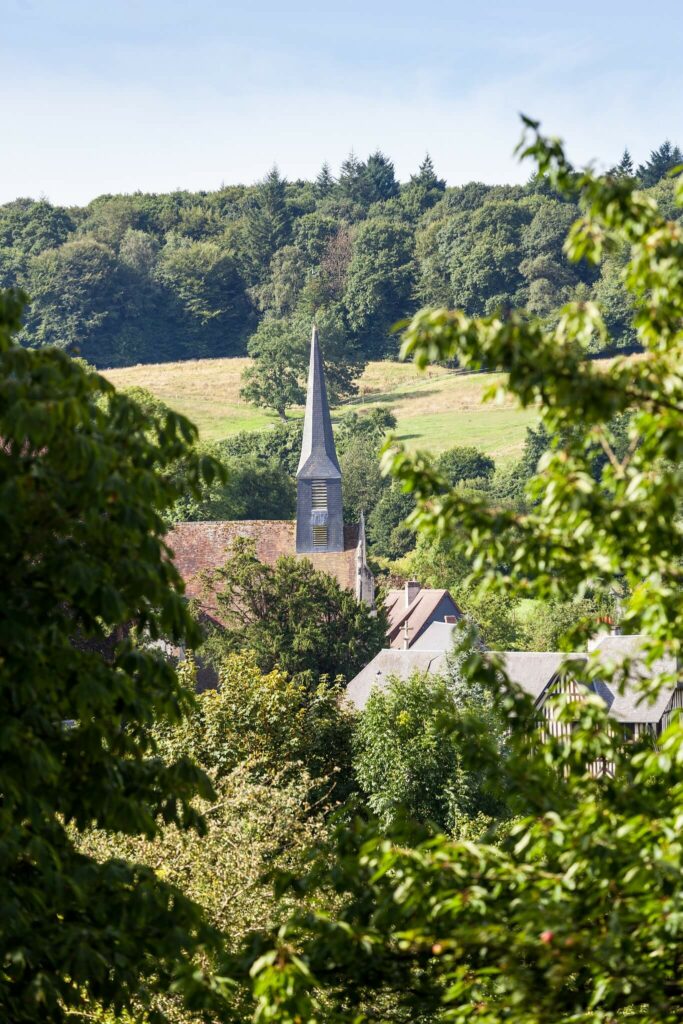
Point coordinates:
pixel 319 516
pixel 318 454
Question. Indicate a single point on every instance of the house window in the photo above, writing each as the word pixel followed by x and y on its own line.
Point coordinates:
pixel 319 497
pixel 320 537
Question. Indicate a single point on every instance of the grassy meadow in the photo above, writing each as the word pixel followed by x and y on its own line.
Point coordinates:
pixel 435 409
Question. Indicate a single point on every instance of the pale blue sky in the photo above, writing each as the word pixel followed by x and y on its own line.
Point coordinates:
pixel 115 95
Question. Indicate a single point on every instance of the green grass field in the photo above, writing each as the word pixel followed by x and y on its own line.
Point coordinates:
pixel 435 410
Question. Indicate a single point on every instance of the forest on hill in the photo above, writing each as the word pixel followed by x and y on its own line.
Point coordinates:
pixel 150 278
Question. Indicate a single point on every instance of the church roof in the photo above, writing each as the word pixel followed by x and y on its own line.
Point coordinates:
pixel 200 546
pixel 318 453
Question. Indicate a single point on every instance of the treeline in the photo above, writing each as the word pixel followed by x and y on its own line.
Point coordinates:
pixel 149 278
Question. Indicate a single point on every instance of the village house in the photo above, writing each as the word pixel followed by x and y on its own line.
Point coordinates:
pixel 543 675
pixel 413 609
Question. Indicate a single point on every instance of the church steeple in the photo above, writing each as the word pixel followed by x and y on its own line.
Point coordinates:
pixel 319 517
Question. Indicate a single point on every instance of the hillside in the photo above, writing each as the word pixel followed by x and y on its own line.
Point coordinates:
pixel 148 278
pixel 435 410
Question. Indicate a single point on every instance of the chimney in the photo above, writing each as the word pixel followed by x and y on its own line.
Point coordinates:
pixel 607 620
pixel 450 618
pixel 413 588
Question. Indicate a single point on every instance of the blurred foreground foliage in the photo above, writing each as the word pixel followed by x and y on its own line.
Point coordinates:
pixel 573 913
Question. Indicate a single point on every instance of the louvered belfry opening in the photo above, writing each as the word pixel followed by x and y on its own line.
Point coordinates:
pixel 319 514
pixel 320 538
pixel 319 495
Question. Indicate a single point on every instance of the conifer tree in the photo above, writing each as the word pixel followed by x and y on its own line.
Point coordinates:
pixel 268 224
pixel 423 190
pixel 625 168
pixel 324 183
pixel 380 178
pixel 426 176
pixel 661 161
pixel 352 179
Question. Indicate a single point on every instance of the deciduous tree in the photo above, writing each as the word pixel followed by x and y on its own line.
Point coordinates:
pixel 379 283
pixel 83 489
pixel 292 617
pixel 465 463
pixel 408 764
pixel 275 379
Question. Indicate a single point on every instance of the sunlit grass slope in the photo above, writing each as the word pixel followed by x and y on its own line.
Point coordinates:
pixel 435 409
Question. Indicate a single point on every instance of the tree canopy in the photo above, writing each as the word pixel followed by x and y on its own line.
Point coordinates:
pixel 85 480
pixel 409 765
pixel 153 278
pixel 291 616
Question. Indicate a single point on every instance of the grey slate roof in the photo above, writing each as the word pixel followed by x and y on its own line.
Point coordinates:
pixel 630 706
pixel 318 454
pixel 391 663
pixel 532 671
pixel 436 637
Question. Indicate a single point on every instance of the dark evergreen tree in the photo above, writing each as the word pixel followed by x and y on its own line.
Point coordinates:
pixel 353 182
pixel 625 168
pixel 423 190
pixel 426 176
pixel 380 178
pixel 268 225
pixel 324 183
pixel 661 161
pixel 155 278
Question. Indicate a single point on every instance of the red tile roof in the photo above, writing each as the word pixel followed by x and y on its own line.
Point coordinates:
pixel 200 546
pixel 422 610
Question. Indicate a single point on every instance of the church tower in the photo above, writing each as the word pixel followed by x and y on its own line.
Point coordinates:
pixel 319 518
